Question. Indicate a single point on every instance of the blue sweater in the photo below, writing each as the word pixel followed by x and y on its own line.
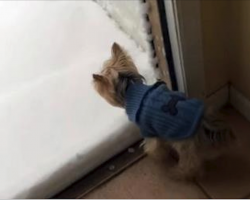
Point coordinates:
pixel 162 113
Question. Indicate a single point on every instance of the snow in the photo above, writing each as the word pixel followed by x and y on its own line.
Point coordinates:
pixel 126 11
pixel 54 127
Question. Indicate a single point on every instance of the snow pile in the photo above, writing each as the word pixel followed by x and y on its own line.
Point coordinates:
pixel 130 16
pixel 54 127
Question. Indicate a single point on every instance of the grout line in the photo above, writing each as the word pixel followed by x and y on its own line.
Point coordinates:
pixel 218 98
pixel 217 90
pixel 202 189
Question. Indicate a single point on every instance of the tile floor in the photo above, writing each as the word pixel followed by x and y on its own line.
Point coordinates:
pixel 228 177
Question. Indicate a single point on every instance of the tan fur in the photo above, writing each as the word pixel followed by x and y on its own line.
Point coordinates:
pixel 104 84
pixel 183 159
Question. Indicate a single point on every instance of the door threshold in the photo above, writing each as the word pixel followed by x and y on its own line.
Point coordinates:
pixel 104 173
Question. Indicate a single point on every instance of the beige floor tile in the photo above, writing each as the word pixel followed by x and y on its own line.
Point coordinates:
pixel 229 176
pixel 146 180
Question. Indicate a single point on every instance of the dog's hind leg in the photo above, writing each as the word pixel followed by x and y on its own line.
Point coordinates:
pixel 189 164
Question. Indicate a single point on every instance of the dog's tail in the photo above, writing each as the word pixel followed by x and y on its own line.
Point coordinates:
pixel 216 131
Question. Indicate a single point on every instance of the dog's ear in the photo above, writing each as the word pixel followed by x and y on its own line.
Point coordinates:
pixel 117 50
pixel 99 78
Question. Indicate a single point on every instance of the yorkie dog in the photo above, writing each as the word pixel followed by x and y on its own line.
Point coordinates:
pixel 176 129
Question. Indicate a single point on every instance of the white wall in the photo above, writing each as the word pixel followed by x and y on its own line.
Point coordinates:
pixel 240 46
pixel 216 35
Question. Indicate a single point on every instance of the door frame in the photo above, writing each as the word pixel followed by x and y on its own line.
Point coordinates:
pixel 185 32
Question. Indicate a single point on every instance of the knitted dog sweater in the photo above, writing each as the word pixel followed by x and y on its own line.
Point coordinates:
pixel 162 113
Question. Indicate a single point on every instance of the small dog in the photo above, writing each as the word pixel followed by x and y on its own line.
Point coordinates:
pixel 184 156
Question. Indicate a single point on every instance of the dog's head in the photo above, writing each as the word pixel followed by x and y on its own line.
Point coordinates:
pixel 111 83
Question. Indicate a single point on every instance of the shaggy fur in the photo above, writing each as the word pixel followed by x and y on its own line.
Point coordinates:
pixel 184 158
